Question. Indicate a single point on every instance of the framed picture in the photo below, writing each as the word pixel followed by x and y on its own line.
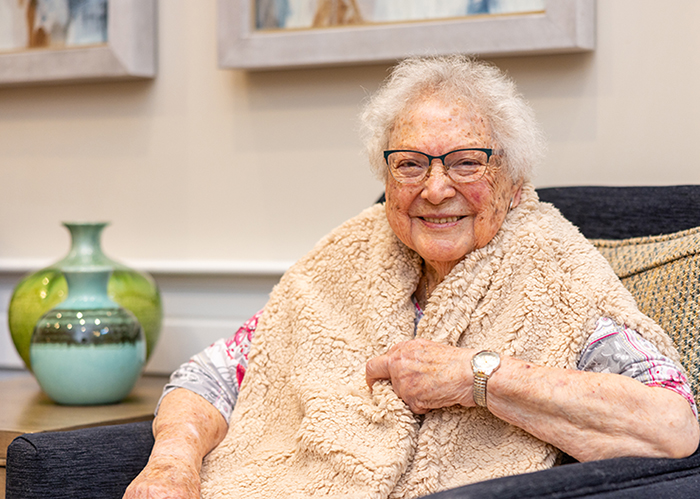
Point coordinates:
pixel 58 41
pixel 266 34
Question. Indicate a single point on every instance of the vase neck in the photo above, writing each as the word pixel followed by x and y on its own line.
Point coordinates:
pixel 86 246
pixel 87 290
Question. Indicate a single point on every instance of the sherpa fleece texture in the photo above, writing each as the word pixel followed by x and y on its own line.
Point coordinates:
pixel 306 425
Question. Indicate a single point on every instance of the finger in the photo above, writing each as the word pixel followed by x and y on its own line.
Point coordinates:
pixel 416 409
pixel 376 369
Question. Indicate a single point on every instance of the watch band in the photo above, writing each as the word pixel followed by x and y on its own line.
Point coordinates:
pixel 484 364
pixel 480 380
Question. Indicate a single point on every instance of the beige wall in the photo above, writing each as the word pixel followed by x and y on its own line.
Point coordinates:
pixel 209 164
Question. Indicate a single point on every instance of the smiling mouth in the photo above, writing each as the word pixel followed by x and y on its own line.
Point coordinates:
pixel 446 220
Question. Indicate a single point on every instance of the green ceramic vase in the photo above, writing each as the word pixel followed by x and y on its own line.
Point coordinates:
pixel 43 290
pixel 87 350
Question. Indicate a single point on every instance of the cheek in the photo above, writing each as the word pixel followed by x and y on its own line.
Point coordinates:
pixel 491 202
pixel 482 199
pixel 478 197
pixel 392 200
pixel 495 199
pixel 398 198
pixel 498 205
pixel 395 209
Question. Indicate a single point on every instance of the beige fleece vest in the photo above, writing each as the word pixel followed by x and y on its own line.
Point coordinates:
pixel 306 425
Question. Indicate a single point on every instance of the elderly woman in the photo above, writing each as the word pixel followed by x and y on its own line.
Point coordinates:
pixel 459 332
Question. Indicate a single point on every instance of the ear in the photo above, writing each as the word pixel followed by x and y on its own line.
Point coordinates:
pixel 516 191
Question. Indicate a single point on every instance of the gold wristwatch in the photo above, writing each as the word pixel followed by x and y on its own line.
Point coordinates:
pixel 484 364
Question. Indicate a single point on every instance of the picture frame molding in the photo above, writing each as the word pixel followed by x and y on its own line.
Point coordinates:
pixel 130 52
pixel 565 26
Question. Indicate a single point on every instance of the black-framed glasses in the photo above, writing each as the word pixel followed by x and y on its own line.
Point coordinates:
pixel 461 165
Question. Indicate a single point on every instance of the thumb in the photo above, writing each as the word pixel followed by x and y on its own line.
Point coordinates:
pixel 376 369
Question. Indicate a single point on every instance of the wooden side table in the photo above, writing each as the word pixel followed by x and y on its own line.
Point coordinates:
pixel 24 408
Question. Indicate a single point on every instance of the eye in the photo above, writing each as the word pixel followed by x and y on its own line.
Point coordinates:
pixel 465 167
pixel 466 162
pixel 407 163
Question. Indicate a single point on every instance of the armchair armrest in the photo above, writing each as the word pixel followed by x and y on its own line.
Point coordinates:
pixel 95 462
pixel 620 478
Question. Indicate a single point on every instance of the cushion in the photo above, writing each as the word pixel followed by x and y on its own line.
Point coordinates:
pixel 99 462
pixel 663 275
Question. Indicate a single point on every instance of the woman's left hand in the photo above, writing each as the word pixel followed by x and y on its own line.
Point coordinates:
pixel 585 414
pixel 426 375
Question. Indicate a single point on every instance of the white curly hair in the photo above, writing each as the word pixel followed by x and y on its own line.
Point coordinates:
pixel 456 78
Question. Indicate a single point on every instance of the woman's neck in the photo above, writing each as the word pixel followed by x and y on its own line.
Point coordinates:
pixel 433 275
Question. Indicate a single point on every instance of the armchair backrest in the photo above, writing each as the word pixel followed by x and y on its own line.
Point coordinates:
pixel 626 212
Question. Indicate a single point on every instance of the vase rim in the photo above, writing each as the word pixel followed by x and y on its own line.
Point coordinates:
pixel 84 223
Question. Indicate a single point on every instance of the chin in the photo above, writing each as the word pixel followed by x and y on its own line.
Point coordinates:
pixel 444 257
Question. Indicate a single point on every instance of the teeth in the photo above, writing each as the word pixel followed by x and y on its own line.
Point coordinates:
pixel 441 220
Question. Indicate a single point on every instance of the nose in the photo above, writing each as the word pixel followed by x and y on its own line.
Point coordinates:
pixel 438 186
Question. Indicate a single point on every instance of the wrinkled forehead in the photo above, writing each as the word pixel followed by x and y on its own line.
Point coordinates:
pixel 446 123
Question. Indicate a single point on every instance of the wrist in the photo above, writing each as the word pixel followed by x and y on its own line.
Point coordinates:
pixel 514 378
pixel 180 443
pixel 484 365
pixel 176 455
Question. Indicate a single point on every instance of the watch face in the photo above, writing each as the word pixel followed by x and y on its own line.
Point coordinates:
pixel 486 362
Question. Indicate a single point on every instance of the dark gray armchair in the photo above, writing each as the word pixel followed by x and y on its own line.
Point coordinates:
pixel 101 462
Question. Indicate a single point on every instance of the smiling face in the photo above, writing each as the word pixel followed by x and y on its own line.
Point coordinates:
pixel 441 220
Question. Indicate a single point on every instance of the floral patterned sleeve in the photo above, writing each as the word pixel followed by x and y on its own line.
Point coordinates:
pixel 217 372
pixel 613 348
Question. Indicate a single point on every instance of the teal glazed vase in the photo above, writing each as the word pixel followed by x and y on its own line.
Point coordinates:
pixel 41 291
pixel 87 350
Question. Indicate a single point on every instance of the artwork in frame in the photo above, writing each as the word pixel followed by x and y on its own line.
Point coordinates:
pixel 269 34
pixel 62 41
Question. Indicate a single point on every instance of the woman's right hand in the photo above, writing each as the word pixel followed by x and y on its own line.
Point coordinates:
pixel 165 478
